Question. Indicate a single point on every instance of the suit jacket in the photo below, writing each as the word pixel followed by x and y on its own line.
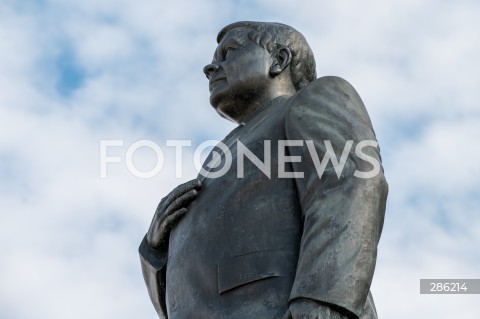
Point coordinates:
pixel 249 246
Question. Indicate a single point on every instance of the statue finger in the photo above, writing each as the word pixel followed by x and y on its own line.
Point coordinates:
pixel 156 235
pixel 173 220
pixel 160 236
pixel 180 202
pixel 182 189
pixel 153 236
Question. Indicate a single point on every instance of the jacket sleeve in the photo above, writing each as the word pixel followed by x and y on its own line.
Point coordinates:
pixel 154 262
pixel 342 215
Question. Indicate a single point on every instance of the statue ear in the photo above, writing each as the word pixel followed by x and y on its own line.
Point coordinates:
pixel 281 59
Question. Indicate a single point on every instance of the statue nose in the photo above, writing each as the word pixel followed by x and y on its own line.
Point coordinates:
pixel 209 69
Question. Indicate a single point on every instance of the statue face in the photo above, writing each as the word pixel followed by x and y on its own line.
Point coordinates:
pixel 238 76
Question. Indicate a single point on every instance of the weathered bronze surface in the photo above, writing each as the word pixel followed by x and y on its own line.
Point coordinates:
pixel 248 245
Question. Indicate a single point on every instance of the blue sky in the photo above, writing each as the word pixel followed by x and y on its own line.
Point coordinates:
pixel 75 72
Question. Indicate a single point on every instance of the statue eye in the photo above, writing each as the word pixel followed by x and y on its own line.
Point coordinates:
pixel 228 51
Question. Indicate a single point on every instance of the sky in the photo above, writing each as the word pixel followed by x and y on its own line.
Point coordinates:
pixel 74 73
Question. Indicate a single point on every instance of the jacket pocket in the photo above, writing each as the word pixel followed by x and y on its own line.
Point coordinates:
pixel 244 269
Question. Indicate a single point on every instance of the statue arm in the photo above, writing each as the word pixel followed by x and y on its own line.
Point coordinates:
pixel 153 262
pixel 342 216
pixel 154 247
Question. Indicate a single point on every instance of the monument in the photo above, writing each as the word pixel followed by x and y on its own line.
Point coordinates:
pixel 291 229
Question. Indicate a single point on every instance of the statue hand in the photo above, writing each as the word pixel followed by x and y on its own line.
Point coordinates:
pixel 169 212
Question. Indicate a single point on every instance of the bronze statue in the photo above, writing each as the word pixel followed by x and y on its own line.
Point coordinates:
pixel 296 241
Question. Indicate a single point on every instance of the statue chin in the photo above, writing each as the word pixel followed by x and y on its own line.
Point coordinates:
pixel 226 115
pixel 226 107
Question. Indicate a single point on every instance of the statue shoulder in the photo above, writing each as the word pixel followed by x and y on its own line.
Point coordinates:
pixel 332 103
pixel 332 88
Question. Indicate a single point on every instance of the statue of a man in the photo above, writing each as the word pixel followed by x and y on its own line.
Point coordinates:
pixel 292 230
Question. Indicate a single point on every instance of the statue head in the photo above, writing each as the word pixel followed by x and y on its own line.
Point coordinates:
pixel 255 62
